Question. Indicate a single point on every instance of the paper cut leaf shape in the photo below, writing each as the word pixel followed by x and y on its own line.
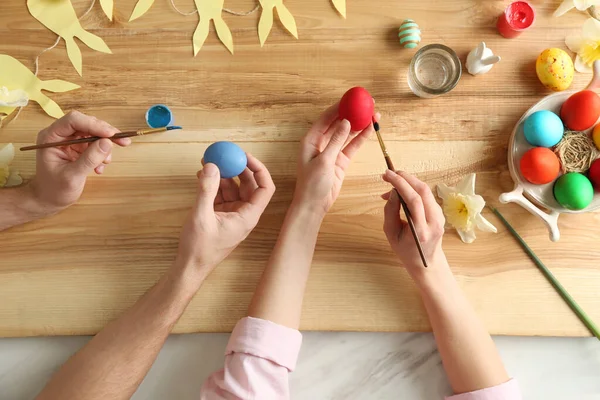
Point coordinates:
pixel 340 5
pixel 15 76
pixel 266 19
pixel 141 7
pixel 107 7
pixel 211 10
pixel 59 16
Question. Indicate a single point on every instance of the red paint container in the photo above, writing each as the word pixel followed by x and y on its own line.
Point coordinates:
pixel 517 17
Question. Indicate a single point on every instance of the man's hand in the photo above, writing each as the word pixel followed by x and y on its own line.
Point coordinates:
pixel 325 154
pixel 223 216
pixel 61 172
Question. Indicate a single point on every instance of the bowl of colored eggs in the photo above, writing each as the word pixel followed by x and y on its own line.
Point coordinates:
pixel 543 184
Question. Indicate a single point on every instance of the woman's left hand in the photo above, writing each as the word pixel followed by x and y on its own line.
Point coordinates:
pixel 325 154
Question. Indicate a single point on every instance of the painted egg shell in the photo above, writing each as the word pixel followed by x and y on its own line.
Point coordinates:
pixel 573 191
pixel 228 157
pixel 596 136
pixel 555 69
pixel 543 128
pixel 357 106
pixel 409 34
pixel 540 165
pixel 581 111
pixel 595 174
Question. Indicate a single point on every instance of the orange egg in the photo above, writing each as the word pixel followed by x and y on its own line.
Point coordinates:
pixel 540 165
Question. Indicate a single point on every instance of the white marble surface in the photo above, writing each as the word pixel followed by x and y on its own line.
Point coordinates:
pixel 336 366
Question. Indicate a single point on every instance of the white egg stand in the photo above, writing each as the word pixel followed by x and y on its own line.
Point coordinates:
pixel 535 197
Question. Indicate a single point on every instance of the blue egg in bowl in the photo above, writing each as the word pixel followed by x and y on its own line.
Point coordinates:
pixel 543 129
pixel 228 157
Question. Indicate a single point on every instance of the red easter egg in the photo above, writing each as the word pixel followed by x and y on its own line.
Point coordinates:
pixel 357 106
pixel 581 110
pixel 540 165
pixel 595 174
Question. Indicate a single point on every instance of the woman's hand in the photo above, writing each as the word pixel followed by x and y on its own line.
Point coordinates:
pixel 61 172
pixel 223 216
pixel 427 216
pixel 325 154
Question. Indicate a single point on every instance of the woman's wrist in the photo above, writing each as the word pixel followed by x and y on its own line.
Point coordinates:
pixel 437 275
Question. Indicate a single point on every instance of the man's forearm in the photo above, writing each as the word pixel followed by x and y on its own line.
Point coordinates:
pixel 279 294
pixel 468 353
pixel 115 361
pixel 19 206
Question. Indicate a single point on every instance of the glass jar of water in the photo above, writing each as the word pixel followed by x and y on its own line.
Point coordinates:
pixel 434 70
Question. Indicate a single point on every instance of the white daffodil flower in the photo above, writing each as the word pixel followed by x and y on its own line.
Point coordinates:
pixel 13 98
pixel 8 178
pixel 462 208
pixel 581 5
pixel 586 45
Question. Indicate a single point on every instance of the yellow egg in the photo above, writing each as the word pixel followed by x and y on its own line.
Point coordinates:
pixel 596 136
pixel 555 69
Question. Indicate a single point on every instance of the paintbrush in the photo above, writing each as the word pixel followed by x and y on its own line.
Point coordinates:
pixel 139 132
pixel 587 321
pixel 409 219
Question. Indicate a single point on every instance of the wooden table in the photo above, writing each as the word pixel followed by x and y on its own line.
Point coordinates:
pixel 72 273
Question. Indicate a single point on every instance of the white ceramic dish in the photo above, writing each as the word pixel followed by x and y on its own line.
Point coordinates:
pixel 534 197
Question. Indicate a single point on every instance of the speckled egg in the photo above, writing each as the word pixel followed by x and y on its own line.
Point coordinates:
pixel 228 157
pixel 543 128
pixel 555 69
pixel 409 34
pixel 574 191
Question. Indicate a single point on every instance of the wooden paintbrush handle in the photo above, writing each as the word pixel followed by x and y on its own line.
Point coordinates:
pixel 91 139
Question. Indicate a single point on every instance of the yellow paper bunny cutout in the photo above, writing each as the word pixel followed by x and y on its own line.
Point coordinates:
pixel 107 7
pixel 340 5
pixel 14 75
pixel 140 9
pixel 211 10
pixel 266 19
pixel 59 16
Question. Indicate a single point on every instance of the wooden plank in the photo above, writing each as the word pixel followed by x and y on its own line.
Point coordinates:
pixel 74 272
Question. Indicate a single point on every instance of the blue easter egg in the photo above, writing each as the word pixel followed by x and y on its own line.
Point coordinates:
pixel 543 129
pixel 228 157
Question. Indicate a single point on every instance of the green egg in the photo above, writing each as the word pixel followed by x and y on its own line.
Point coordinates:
pixel 574 191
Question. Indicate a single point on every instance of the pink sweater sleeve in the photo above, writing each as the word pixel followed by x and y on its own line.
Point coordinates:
pixel 259 356
pixel 506 391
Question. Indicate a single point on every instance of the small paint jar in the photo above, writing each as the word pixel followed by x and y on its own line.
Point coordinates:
pixel 518 17
pixel 159 116
pixel 434 70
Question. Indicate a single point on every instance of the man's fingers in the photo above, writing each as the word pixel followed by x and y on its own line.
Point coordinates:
pixel 76 122
pixel 91 158
pixel 230 190
pixel 341 131
pixel 208 186
pixel 411 197
pixel 262 195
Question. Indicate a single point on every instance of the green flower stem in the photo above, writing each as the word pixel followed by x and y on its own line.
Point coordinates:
pixel 559 288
